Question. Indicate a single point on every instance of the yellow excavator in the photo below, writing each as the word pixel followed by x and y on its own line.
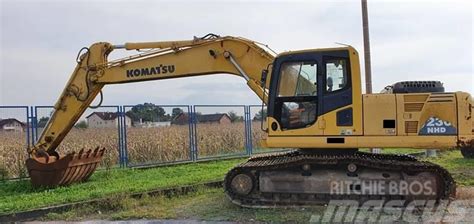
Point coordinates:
pixel 315 106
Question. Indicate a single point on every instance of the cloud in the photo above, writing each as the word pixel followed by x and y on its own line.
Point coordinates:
pixel 410 40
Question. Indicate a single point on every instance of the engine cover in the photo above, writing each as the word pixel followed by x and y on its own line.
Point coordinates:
pixel 418 87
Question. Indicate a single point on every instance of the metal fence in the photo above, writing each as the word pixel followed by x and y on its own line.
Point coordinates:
pixel 183 133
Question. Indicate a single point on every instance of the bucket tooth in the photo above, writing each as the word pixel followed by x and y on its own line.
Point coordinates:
pixel 67 173
pixel 86 169
pixel 93 166
pixel 72 168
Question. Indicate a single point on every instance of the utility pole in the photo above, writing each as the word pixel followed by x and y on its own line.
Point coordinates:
pixel 368 69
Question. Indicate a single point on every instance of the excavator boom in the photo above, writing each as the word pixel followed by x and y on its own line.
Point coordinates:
pixel 161 60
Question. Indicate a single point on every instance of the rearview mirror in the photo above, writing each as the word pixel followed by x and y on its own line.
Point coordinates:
pixel 263 79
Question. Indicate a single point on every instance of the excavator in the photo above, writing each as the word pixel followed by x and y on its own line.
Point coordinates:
pixel 315 106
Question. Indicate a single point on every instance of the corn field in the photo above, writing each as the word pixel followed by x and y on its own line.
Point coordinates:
pixel 145 145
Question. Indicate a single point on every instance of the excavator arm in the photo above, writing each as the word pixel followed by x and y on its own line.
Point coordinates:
pixel 197 57
pixel 158 60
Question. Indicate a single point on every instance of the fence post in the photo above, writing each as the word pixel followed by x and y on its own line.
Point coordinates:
pixel 122 130
pixel 190 133
pixel 246 133
pixel 125 142
pixel 34 124
pixel 194 128
pixel 119 133
pixel 124 137
pixel 248 138
pixel 34 127
pixel 250 132
pixel 29 112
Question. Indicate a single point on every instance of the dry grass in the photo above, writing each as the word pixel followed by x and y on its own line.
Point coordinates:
pixel 145 145
pixel 465 193
pixel 12 154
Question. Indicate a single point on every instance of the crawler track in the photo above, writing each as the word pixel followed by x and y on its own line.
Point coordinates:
pixel 295 160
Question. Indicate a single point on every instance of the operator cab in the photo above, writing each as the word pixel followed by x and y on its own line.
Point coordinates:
pixel 307 85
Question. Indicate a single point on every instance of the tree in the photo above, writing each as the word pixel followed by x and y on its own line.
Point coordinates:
pixel 148 112
pixel 42 122
pixel 260 115
pixel 234 117
pixel 176 112
pixel 82 125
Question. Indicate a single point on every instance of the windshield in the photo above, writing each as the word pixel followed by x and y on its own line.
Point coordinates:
pixel 298 79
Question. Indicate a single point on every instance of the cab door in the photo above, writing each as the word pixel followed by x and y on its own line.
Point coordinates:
pixel 337 109
pixel 295 94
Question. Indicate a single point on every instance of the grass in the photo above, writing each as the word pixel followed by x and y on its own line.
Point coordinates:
pixel 205 204
pixel 461 169
pixel 212 205
pixel 20 196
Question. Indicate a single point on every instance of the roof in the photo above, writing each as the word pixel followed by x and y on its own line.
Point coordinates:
pixel 183 118
pixel 210 117
pixel 106 116
pixel 9 120
pixel 348 47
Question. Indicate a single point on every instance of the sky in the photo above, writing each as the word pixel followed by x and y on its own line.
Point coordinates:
pixel 410 40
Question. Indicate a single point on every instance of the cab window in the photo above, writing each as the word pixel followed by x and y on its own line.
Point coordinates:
pixel 297 79
pixel 336 74
pixel 297 94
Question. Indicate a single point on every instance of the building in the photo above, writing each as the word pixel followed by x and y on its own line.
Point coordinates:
pixel 12 124
pixel 183 119
pixel 149 124
pixel 105 120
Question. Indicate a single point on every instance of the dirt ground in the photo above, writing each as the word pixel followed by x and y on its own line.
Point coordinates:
pixel 465 193
pixel 208 205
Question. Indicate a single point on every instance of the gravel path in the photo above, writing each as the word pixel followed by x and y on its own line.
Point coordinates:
pixel 140 221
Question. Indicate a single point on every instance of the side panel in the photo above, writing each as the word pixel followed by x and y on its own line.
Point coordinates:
pixel 380 114
pixel 465 117
pixel 427 114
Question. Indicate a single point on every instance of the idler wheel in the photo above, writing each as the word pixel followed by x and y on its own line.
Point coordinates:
pixel 242 184
pixel 352 167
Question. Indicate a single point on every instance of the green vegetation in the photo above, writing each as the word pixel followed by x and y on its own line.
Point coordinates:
pixel 205 204
pixel 42 122
pixel 234 117
pixel 81 124
pixel 212 205
pixel 20 196
pixel 460 168
pixel 260 115
pixel 148 112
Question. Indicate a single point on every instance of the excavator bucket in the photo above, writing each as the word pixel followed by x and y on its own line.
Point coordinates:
pixel 74 167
